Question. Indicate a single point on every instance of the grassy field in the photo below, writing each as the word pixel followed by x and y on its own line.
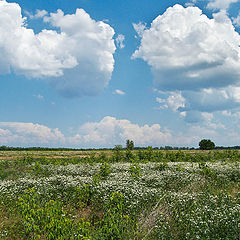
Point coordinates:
pixel 120 194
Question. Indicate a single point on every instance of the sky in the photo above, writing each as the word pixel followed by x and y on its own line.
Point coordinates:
pixel 91 74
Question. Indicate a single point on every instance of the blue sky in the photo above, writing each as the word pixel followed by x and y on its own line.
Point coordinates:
pixel 88 73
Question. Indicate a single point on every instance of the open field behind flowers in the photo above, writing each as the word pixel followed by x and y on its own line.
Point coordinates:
pixel 120 194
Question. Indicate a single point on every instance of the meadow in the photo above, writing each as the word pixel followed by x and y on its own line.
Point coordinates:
pixel 120 194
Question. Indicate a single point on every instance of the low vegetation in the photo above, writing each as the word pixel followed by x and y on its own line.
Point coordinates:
pixel 120 194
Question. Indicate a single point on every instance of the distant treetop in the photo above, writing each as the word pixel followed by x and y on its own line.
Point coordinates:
pixel 206 144
pixel 129 144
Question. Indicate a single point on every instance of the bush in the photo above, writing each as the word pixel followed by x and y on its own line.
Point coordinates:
pixel 49 219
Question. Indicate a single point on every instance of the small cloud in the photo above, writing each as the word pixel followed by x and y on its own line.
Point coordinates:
pixel 155 90
pixel 160 100
pixel 209 121
pixel 139 28
pixel 38 14
pixel 174 101
pixel 220 4
pixel 236 21
pixel 183 114
pixel 119 92
pixel 39 96
pixel 189 4
pixel 119 40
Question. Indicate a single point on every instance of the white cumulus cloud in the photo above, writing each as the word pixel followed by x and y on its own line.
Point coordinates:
pixel 190 50
pixel 29 134
pixel 77 59
pixel 110 131
pixel 195 55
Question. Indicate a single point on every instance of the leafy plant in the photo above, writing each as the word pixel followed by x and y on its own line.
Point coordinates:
pixel 49 220
pixel 162 166
pixel 135 170
pixel 116 224
pixel 105 170
pixel 83 196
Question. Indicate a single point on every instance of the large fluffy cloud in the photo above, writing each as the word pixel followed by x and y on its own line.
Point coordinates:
pixel 29 134
pixel 110 131
pixel 194 55
pixel 106 133
pixel 78 57
pixel 187 50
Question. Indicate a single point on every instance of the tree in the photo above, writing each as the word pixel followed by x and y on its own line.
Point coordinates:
pixel 206 144
pixel 129 144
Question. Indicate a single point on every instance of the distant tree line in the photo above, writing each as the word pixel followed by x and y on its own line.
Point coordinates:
pixel 6 148
pixel 204 144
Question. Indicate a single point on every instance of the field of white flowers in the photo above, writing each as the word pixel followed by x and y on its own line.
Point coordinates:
pixel 192 197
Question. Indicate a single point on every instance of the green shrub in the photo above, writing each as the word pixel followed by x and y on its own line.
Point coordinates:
pixel 116 224
pixel 49 219
pixel 105 170
pixel 135 170
pixel 82 197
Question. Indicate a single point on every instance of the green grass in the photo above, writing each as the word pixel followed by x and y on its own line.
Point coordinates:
pixel 120 195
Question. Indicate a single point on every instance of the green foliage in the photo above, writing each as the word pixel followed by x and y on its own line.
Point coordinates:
pixel 162 166
pixel 82 197
pixel 135 170
pixel 3 172
pixel 206 144
pixel 199 216
pixel 27 159
pixel 105 170
pixel 149 154
pixel 159 156
pixel 39 170
pixel 129 144
pixel 206 171
pixel 103 157
pixel 96 179
pixel 129 155
pixel 117 153
pixel 49 219
pixel 116 224
pixel 154 194
pixel 180 168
